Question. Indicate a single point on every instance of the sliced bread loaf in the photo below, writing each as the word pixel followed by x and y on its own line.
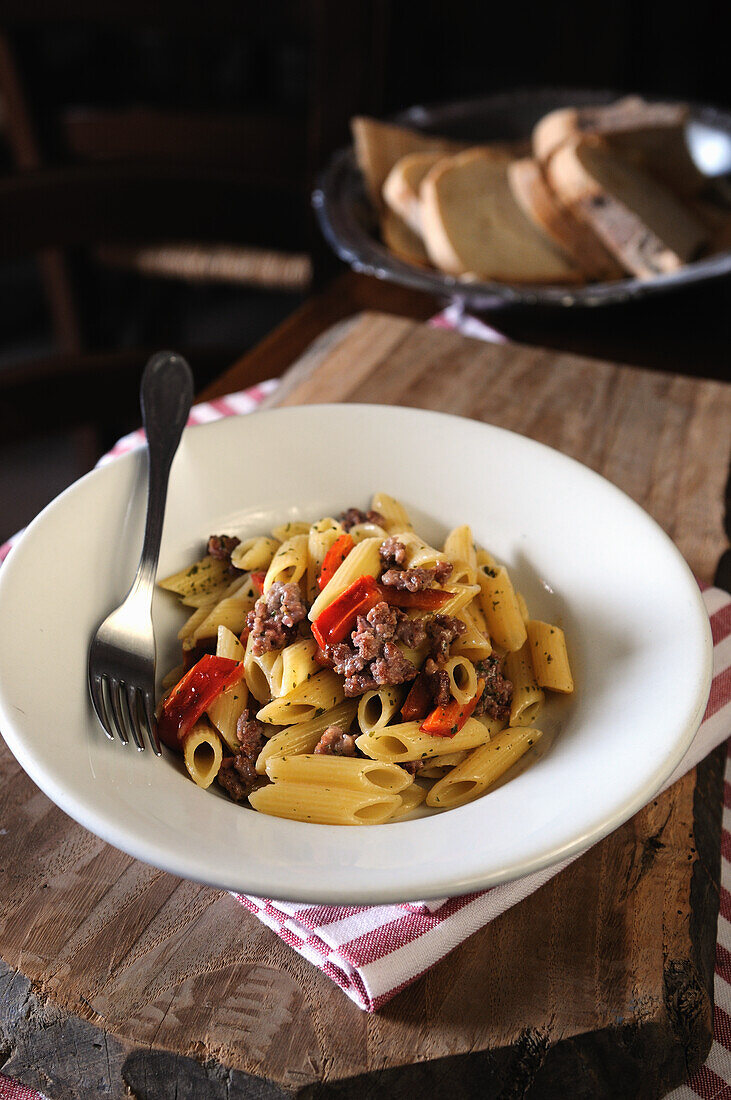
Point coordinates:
pixel 401 189
pixel 650 134
pixel 400 239
pixel 641 222
pixel 471 224
pixel 379 145
pixel 538 202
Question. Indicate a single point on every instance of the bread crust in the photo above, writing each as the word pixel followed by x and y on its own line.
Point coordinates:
pixel 400 239
pixel 652 135
pixel 533 194
pixel 641 223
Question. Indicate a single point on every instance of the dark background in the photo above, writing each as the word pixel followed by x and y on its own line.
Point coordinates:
pixel 207 122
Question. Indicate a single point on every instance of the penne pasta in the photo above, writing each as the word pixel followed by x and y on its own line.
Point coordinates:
pixel 320 693
pixel 199 582
pixel 462 678
pixel 320 538
pixel 547 647
pixel 289 530
pixel 500 608
pixel 306 802
pixel 338 771
pixel 395 515
pixel 297 665
pixel 406 741
pixel 226 709
pixel 411 797
pixel 527 696
pixel 376 708
pixel 303 736
pixel 289 562
pixel 473 643
pixel 255 553
pixel 460 550
pixel 202 754
pixel 363 560
pixel 482 768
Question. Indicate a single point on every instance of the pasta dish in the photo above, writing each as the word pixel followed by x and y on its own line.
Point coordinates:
pixel 345 671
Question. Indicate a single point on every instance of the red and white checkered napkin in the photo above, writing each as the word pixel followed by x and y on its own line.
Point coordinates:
pixel 373 952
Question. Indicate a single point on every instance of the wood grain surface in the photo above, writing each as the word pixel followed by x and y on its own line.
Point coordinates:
pixel 119 980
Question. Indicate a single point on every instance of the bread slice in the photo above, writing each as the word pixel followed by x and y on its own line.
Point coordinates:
pixel 379 145
pixel 472 225
pixel 401 188
pixel 400 239
pixel 642 223
pixel 650 134
pixel 538 202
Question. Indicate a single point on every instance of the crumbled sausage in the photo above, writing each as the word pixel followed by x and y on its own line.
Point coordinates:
pixel 498 694
pixel 413 767
pixel 441 631
pixel 334 742
pixel 392 551
pixel 221 547
pixel 373 658
pixel 438 683
pixel 412 632
pixel 250 734
pixel 416 580
pixel 274 618
pixel 354 515
pixel 238 777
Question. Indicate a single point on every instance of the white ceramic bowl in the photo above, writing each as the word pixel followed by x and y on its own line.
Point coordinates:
pixel 582 553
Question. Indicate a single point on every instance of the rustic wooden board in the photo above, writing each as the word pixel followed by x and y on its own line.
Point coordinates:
pixel 120 980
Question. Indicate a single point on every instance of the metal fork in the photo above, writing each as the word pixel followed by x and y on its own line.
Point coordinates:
pixel 122 652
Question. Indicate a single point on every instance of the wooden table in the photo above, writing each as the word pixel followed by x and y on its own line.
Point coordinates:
pixel 120 980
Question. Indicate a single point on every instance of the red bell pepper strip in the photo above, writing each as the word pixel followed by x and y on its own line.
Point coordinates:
pixel 338 618
pixel 446 721
pixel 194 694
pixel 334 558
pixel 429 599
pixel 257 579
pixel 417 702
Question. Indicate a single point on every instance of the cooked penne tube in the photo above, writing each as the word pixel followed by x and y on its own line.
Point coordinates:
pixel 460 550
pixel 411 797
pixel 527 696
pixel 289 530
pixel 462 678
pixel 419 554
pixel 202 754
pixel 333 772
pixel 230 612
pixel 363 560
pixel 304 736
pixel 406 741
pixel 305 802
pixel 319 540
pixel 472 643
pixel 254 554
pixel 360 531
pixel 226 709
pixel 461 596
pixel 500 607
pixel 191 624
pixel 523 608
pixel 377 708
pixel 482 768
pixel 320 693
pixel 258 670
pixel 298 664
pixel 484 557
pixel 199 582
pixel 289 563
pixel 547 647
pixel 393 512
